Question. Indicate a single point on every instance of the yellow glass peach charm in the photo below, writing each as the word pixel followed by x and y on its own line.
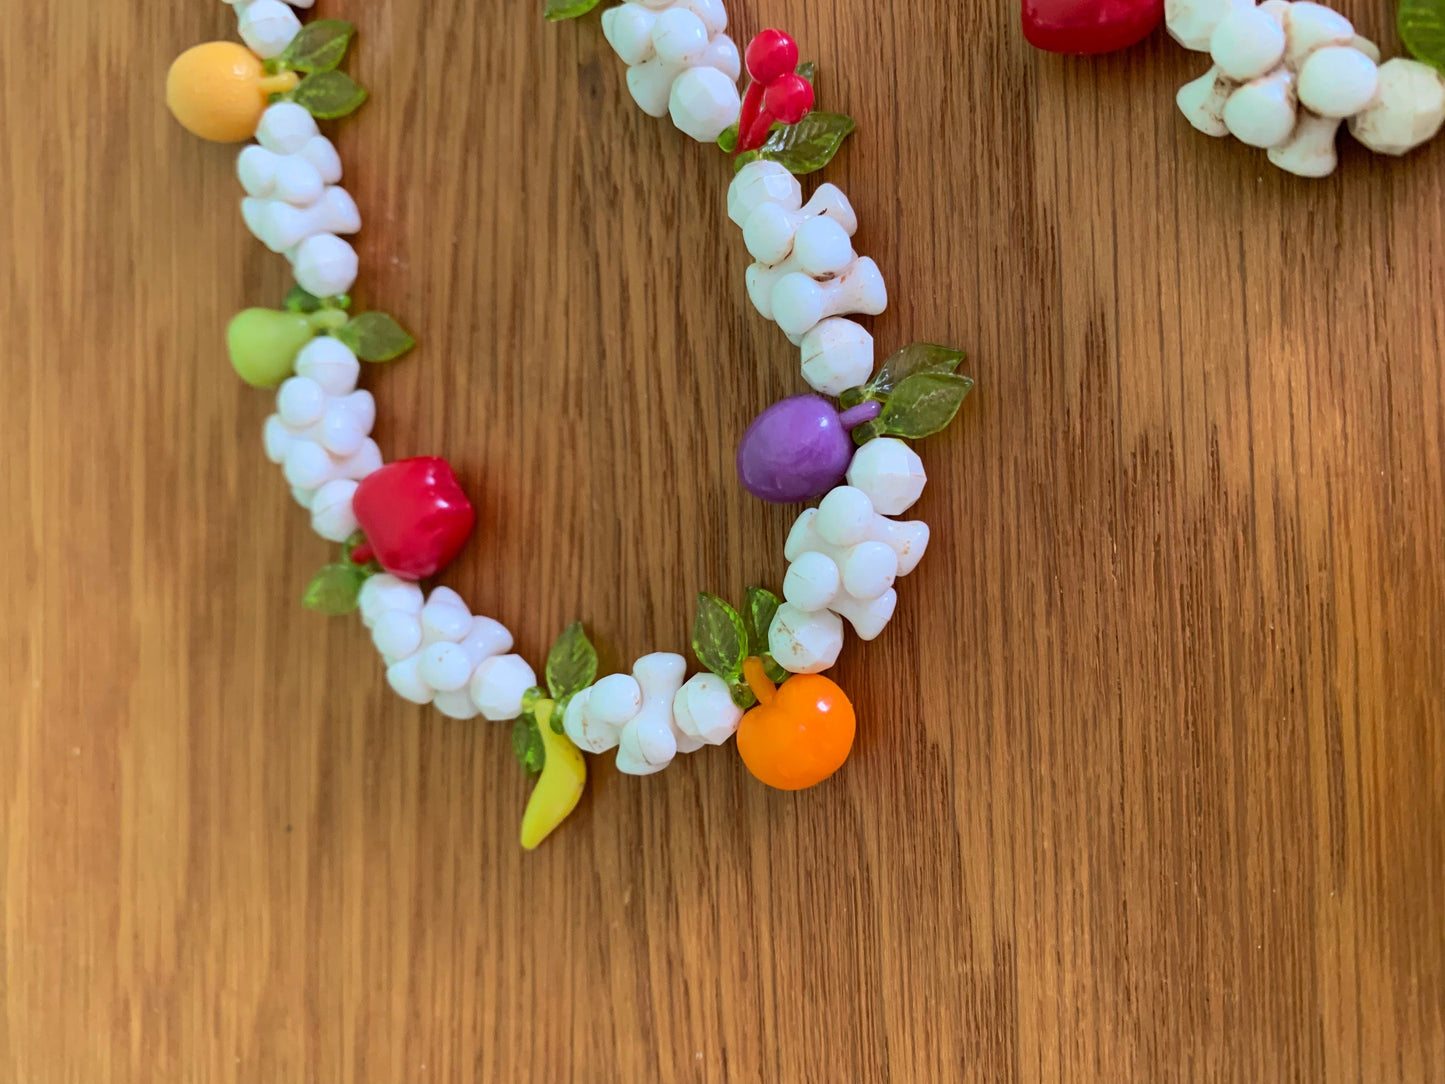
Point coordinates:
pixel 219 90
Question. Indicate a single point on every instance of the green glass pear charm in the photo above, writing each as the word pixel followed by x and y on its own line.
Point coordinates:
pixel 264 343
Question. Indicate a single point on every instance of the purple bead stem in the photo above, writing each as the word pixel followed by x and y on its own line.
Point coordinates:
pixel 865 411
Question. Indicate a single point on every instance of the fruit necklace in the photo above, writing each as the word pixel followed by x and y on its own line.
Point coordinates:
pixel 402 522
pixel 1284 76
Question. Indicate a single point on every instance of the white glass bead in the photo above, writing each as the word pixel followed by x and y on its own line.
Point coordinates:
pixel 343 431
pixel 321 153
pixel 1407 111
pixel 332 516
pixel 1338 81
pixel 445 666
pixel 799 302
pixel 330 363
pixel 837 355
pixel 703 102
pixel 455 704
pixel 297 181
pixel 586 733
pixel 679 37
pixel 628 29
pixel 712 13
pixel 384 592
pixel 443 621
pixel 404 677
pixel 267 27
pixel 285 226
pixel 1310 151
pixel 1310 26
pixel 1246 44
pixel 253 213
pixel 845 516
pixel 276 439
pixel 822 246
pixel 1202 102
pixel 396 634
pixel 1192 22
pixel 1262 113
pixel 870 570
pixel 615 699
pixel 300 401
pixel 758 183
pixel 890 473
pixel 647 746
pixel 805 643
pixel 498 685
pixel 325 265
pixel 307 464
pixel 704 709
pixel 485 638
pixel 285 128
pixel 811 581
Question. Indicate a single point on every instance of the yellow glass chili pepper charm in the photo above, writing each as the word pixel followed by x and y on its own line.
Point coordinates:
pixel 559 787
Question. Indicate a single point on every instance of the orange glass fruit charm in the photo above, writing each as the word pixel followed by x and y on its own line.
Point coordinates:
pixel 219 90
pixel 799 734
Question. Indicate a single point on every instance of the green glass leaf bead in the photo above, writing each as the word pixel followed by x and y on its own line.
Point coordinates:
pixel 719 637
pixel 759 606
pixel 567 9
pixel 334 590
pixel 914 358
pixel 728 140
pixel 571 664
pixel 319 47
pixel 924 404
pixel 328 95
pixel 1422 29
pixel 807 146
pixel 375 336
pixel 301 300
pixel 263 344
pixel 527 745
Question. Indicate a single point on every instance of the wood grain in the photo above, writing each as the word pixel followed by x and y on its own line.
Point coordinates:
pixel 1150 782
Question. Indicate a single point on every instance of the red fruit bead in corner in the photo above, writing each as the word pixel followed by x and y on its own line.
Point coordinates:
pixel 1089 26
pixel 414 515
pixel 771 54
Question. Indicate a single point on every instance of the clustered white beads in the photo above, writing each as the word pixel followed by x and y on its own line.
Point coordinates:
pixel 679 62
pixel 267 26
pixel 320 435
pixel 293 204
pixel 844 558
pixel 652 715
pixel 1287 75
pixel 437 652
pixel 806 275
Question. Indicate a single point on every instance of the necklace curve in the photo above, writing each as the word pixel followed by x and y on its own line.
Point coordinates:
pixel 398 523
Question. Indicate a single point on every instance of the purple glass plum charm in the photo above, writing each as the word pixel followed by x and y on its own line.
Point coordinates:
pixel 799 448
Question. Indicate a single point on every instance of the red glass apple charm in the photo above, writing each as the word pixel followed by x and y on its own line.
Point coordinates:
pixel 1089 26
pixel 414 515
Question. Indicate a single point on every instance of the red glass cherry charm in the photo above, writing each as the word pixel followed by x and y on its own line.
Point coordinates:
pixel 1089 26
pixel 771 54
pixel 414 515
pixel 788 99
pixel 777 94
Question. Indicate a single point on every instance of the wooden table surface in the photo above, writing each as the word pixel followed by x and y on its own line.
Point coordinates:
pixel 1150 777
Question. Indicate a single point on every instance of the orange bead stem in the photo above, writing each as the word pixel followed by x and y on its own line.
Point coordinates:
pixel 757 679
pixel 280 83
